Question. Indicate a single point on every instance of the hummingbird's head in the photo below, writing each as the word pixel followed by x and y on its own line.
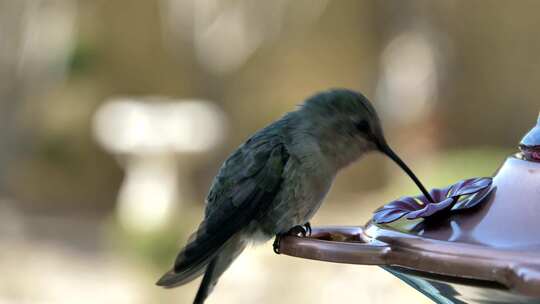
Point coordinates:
pixel 345 117
pixel 347 126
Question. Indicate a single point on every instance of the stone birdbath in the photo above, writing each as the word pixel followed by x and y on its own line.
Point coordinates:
pixel 155 139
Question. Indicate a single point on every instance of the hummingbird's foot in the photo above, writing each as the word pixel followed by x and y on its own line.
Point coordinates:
pixel 299 230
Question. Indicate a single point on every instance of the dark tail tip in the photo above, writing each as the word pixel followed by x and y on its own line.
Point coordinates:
pixel 207 283
pixel 169 279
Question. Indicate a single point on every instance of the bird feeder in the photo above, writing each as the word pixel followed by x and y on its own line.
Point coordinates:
pixel 489 253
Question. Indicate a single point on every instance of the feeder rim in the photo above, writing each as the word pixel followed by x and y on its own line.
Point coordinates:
pixel 516 270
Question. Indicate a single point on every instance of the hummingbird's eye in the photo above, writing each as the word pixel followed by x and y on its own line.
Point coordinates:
pixel 362 126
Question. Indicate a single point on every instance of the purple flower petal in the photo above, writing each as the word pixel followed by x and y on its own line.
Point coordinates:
pixel 473 200
pixel 396 210
pixel 430 209
pixel 439 194
pixel 388 216
pixel 462 195
pixel 470 186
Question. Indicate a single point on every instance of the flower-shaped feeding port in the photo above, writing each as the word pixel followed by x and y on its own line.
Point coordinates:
pixel 530 144
pixel 462 195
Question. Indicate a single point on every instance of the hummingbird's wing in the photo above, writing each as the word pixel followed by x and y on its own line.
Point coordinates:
pixel 245 186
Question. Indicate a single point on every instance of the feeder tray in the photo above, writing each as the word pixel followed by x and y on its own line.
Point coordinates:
pixel 489 254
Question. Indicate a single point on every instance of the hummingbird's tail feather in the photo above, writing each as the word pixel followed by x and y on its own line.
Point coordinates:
pixel 217 267
pixel 192 261
pixel 173 279
pixel 213 266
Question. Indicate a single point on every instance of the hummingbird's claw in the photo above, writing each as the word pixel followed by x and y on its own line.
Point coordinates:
pixel 300 230
pixel 308 228
pixel 276 244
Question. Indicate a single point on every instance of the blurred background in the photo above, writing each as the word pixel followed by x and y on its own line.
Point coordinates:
pixel 115 116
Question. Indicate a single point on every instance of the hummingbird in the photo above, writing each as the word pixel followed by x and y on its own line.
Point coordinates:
pixel 275 182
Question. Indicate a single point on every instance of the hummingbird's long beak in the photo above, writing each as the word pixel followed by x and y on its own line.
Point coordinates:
pixel 386 150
